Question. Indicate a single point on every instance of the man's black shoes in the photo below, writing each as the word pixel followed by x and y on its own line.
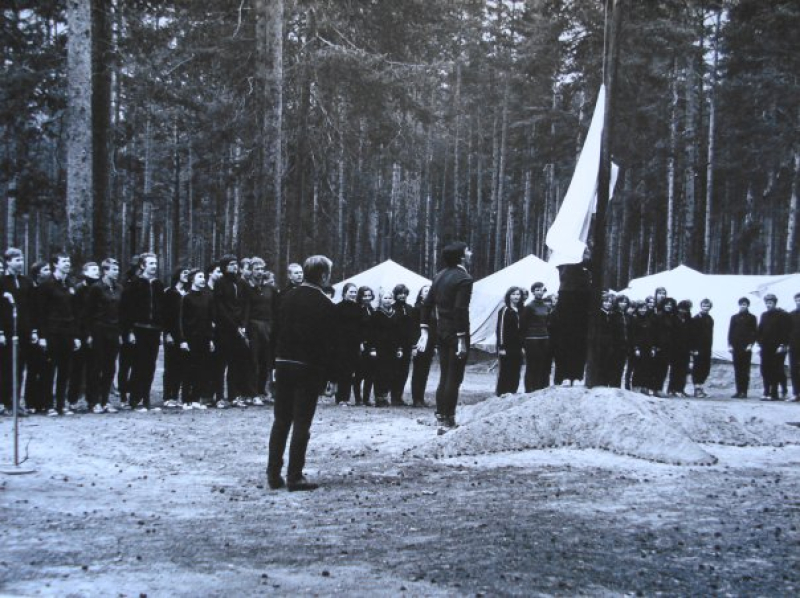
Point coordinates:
pixel 275 482
pixel 301 484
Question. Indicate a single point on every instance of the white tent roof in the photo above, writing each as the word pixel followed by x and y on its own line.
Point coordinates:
pixel 723 290
pixel 784 289
pixel 488 294
pixel 385 276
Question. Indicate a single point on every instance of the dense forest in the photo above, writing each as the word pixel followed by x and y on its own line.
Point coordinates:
pixel 374 129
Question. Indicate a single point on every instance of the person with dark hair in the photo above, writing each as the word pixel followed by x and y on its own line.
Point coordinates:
pixel 421 359
pixel 774 333
pixel 388 343
pixel 659 298
pixel 305 360
pixel 58 332
pixel 82 358
pixel 365 373
pixel 665 321
pixel 642 341
pixel 534 325
pixel 14 284
pixel 509 343
pixel 681 350
pixel 36 366
pixel 101 317
pixel 702 340
pixel 742 333
pixel 794 351
pixel 348 341
pixel 621 323
pixel 449 298
pixel 194 336
pixel 216 362
pixel 260 310
pixel 407 331
pixel 229 294
pixel 602 341
pixel 141 312
pixel 126 350
pixel 175 361
pixel 574 302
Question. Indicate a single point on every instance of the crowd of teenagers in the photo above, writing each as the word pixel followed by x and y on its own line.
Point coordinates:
pixel 218 326
pixel 651 346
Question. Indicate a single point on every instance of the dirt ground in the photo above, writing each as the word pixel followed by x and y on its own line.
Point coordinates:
pixel 176 504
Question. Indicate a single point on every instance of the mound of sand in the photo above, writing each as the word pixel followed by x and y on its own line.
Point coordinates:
pixel 619 421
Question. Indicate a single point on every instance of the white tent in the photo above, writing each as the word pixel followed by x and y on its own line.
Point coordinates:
pixel 488 294
pixel 723 290
pixel 784 289
pixel 385 276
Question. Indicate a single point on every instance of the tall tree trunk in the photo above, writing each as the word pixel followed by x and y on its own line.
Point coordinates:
pixel 671 169
pixel 710 151
pixel 690 168
pixel 501 170
pixel 177 224
pixel 527 228
pixel 102 50
pixel 791 225
pixel 80 154
pixel 147 204
pixel 457 206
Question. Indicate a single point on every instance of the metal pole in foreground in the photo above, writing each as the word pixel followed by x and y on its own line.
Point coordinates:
pixel 15 388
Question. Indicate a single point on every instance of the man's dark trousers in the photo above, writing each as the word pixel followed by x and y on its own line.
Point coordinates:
pixel 741 368
pixel 105 348
pixel 145 353
pixel 537 363
pixel 452 375
pixel 59 350
pixel 296 392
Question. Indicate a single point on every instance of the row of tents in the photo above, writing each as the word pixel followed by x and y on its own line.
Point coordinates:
pixel 681 283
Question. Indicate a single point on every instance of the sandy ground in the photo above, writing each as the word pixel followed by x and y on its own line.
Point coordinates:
pixel 175 504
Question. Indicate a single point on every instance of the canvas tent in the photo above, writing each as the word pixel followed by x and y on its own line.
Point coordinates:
pixel 385 276
pixel 488 294
pixel 723 290
pixel 784 289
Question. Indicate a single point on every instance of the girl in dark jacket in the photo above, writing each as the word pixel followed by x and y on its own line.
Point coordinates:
pixel 365 373
pixel 509 343
pixel 681 350
pixel 601 341
pixel 388 338
pixel 621 323
pixel 348 319
pixel 175 361
pixel 666 328
pixel 642 347
pixel 406 326
pixel 422 360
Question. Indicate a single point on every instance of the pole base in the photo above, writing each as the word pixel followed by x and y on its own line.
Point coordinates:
pixel 15 470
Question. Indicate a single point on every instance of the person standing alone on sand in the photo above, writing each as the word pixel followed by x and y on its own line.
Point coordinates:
pixel 448 301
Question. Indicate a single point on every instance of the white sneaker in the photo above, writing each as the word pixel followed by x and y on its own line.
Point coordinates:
pixel 2 409
pixel 52 413
pixel 98 409
pixel 170 403
pixel 199 406
pixel 257 402
pixel 240 402
pixel 69 411
pixel 186 406
pixel 110 409
pixel 155 409
pixel 72 407
pixel 222 405
pixel 142 410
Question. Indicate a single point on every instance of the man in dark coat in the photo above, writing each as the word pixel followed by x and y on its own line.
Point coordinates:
pixel 702 339
pixel 230 297
pixel 774 331
pixel 794 350
pixel 305 360
pixel 741 338
pixel 448 301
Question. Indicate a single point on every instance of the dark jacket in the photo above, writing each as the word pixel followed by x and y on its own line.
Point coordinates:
pixel 101 308
pixel 230 297
pixel 56 305
pixel 666 331
pixel 702 332
pixel 21 288
pixel 196 313
pixel 601 331
pixel 406 324
pixel 449 299
pixel 794 338
pixel 261 304
pixel 171 311
pixel 642 333
pixel 142 304
pixel 509 334
pixel 348 332
pixel 742 331
pixel 307 332
pixel 387 333
pixel 774 329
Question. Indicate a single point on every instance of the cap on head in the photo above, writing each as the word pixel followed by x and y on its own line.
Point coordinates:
pixel 453 252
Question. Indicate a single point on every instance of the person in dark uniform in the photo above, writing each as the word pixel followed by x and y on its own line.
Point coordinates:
pixel 666 326
pixel 126 349
pixel 305 360
pixel 621 322
pixel 348 339
pixel 602 340
pixel 681 350
pixel 6 340
pixel 217 364
pixel 774 332
pixel 101 315
pixel 175 361
pixel 82 358
pixel 574 302
pixel 534 327
pixel 141 309
pixel 449 298
pixel 260 309
pixel 36 367
pixel 229 294
pixel 21 290
pixel 702 339
pixel 387 338
pixel 509 343
pixel 421 360
pixel 407 335
pixel 794 351
pixel 58 332
pixel 642 345
pixel 365 373
pixel 742 333
pixel 194 336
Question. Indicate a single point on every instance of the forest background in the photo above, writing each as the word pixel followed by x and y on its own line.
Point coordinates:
pixel 375 129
